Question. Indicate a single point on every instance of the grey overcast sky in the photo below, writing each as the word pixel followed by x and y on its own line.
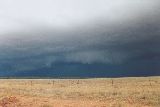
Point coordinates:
pixel 36 35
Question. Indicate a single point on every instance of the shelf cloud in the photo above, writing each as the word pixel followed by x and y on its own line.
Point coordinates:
pixel 37 34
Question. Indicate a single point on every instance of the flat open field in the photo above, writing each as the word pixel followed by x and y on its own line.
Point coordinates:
pixel 104 92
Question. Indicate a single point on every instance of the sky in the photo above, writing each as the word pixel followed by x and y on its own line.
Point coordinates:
pixel 79 37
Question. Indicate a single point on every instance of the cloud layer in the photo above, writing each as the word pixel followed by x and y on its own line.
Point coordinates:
pixel 87 32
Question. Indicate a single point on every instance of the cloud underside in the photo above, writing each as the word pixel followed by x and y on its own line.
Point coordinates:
pixel 120 45
pixel 126 42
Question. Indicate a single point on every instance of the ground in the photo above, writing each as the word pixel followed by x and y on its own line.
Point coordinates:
pixel 97 92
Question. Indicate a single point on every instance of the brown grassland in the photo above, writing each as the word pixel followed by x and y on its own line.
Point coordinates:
pixel 98 92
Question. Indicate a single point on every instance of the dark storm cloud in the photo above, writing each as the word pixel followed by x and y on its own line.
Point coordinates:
pixel 128 40
pixel 124 44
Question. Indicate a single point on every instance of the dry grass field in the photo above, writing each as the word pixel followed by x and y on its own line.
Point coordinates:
pixel 103 92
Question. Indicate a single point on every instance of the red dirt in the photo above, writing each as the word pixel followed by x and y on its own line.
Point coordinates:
pixel 25 101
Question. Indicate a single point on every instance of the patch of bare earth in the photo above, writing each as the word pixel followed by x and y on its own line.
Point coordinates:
pixel 25 101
